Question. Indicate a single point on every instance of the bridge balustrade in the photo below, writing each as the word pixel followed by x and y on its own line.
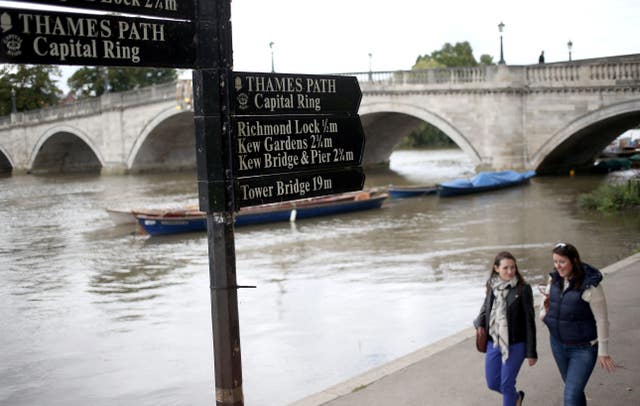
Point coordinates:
pixel 610 71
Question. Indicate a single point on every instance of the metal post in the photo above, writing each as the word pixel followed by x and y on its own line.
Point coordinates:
pixel 500 28
pixel 106 80
pixel 273 69
pixel 13 101
pixel 370 72
pixel 216 190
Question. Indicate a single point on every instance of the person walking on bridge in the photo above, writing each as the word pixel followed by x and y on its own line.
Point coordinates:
pixel 508 315
pixel 575 311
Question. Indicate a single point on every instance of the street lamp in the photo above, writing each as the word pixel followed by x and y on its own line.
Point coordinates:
pixel 370 72
pixel 500 28
pixel 106 80
pixel 13 101
pixel 273 69
pixel 569 45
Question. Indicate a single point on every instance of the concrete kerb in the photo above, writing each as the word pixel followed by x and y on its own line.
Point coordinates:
pixel 380 372
pixel 375 374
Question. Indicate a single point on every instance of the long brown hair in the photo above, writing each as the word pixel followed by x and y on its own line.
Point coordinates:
pixel 569 251
pixel 496 263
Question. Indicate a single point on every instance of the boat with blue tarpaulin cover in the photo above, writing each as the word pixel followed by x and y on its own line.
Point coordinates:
pixel 484 181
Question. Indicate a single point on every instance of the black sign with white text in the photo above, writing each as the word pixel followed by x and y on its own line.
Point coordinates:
pixel 274 93
pixel 268 144
pixel 181 9
pixel 36 37
pixel 290 186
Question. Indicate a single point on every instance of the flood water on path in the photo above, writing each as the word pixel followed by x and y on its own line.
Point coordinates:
pixel 95 315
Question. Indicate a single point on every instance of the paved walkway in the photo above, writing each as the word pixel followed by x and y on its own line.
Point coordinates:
pixel 451 371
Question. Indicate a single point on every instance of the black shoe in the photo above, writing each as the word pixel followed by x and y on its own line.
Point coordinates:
pixel 521 398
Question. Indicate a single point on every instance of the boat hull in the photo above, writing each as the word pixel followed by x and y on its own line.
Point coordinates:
pixel 402 192
pixel 154 225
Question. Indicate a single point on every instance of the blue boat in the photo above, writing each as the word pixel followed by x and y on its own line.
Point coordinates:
pixel 400 192
pixel 268 213
pixel 484 181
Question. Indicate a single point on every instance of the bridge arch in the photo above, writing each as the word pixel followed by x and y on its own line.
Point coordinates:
pixel 580 142
pixel 64 148
pixel 6 163
pixel 166 141
pixel 378 120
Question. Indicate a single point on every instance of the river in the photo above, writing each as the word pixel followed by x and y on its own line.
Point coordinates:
pixel 93 314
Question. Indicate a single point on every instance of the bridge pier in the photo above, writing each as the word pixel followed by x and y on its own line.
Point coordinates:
pixel 114 169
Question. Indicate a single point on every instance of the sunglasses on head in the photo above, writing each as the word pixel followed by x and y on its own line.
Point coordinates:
pixel 560 245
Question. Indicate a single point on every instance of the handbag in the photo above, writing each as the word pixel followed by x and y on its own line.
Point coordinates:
pixel 481 339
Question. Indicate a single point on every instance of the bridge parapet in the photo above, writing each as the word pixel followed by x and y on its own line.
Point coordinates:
pixel 618 71
pixel 109 101
pixel 614 71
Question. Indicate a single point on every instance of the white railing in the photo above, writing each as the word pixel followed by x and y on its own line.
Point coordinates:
pixel 612 71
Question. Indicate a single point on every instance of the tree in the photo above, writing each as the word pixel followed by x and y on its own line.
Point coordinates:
pixel 90 81
pixel 426 62
pixel 33 85
pixel 486 59
pixel 427 136
pixel 450 56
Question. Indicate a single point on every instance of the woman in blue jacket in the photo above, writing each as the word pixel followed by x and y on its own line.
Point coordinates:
pixel 508 315
pixel 576 314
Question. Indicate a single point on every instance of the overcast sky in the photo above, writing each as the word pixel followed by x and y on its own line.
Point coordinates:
pixel 337 35
pixel 331 36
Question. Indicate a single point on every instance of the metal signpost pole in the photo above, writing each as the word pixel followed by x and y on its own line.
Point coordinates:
pixel 215 189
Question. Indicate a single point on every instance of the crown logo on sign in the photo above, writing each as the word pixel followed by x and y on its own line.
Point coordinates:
pixel 238 83
pixel 13 44
pixel 5 22
pixel 243 101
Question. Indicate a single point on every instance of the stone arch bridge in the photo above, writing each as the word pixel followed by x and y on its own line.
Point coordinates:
pixel 548 117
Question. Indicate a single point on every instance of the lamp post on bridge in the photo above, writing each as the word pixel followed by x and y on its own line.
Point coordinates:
pixel 500 28
pixel 106 80
pixel 273 69
pixel 569 45
pixel 13 101
pixel 370 72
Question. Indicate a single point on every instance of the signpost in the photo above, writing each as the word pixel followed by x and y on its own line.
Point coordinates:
pixel 295 136
pixel 272 93
pixel 179 9
pixel 260 137
pixel 276 144
pixel 290 186
pixel 48 37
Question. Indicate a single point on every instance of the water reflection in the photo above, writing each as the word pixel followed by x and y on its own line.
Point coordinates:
pixel 100 315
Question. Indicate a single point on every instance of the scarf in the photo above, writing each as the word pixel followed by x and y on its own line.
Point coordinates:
pixel 498 325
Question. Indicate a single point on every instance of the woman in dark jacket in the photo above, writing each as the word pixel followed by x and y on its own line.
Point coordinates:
pixel 575 312
pixel 507 314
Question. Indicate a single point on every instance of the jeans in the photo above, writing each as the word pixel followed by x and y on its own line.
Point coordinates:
pixel 502 377
pixel 575 363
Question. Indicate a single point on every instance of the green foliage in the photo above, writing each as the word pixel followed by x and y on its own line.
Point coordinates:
pixel 458 55
pixel 486 59
pixel 427 136
pixel 612 197
pixel 427 62
pixel 90 81
pixel 33 85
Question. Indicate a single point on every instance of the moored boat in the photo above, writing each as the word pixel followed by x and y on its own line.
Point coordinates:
pixel 128 216
pixel 399 192
pixel 268 213
pixel 611 165
pixel 484 181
